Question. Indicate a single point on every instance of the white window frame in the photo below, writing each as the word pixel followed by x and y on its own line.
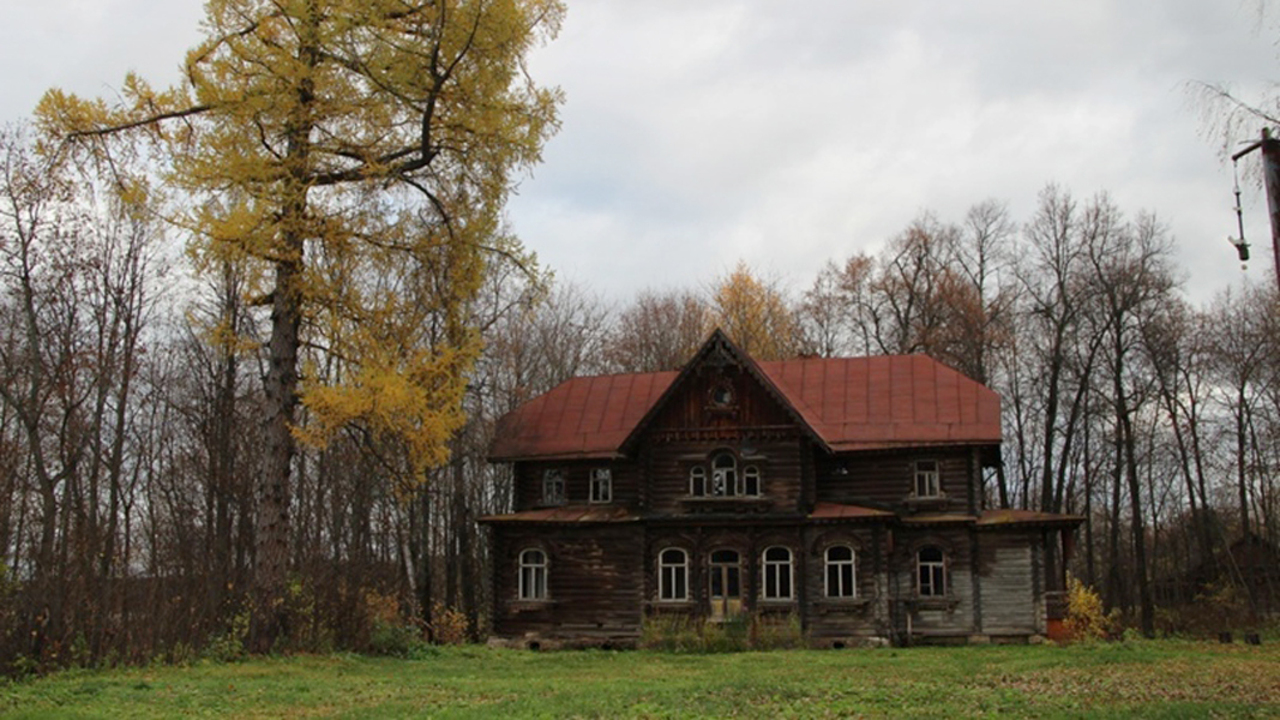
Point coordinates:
pixel 553 487
pixel 928 479
pixel 532 577
pixel 931 575
pixel 749 476
pixel 843 590
pixel 601 485
pixel 697 481
pixel 724 477
pixel 772 586
pixel 668 572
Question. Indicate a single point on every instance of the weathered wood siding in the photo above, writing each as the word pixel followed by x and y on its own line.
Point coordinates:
pixel 577 473
pixel 866 614
pixel 670 459
pixel 888 479
pixel 692 406
pixel 950 616
pixel 593 580
pixel 1005 570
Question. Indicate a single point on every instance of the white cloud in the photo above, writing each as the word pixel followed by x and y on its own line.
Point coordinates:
pixel 791 133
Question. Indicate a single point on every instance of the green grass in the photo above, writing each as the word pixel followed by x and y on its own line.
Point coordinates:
pixel 1166 679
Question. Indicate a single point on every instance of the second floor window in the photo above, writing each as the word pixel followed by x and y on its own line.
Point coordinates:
pixel 697 481
pixel 724 475
pixel 928 483
pixel 601 485
pixel 553 487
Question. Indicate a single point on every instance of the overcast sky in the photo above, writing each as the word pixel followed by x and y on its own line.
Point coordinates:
pixel 697 133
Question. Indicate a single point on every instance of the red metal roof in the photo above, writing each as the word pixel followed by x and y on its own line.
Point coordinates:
pixel 837 511
pixel 1002 518
pixel 586 417
pixel 870 403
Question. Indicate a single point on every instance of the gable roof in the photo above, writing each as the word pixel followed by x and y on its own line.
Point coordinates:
pixel 847 404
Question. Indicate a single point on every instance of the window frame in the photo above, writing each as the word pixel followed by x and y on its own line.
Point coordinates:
pixel 771 589
pixel 839 565
pixel 670 571
pixel 533 577
pixel 750 475
pixel 928 480
pixel 697 481
pixel 726 476
pixel 551 478
pixel 601 477
pixel 931 575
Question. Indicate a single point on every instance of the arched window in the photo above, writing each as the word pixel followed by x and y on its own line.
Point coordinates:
pixel 777 574
pixel 931 567
pixel 697 481
pixel 842 572
pixel 673 575
pixel 751 480
pixel 533 575
pixel 724 474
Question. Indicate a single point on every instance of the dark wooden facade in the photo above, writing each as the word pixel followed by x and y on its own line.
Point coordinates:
pixel 847 493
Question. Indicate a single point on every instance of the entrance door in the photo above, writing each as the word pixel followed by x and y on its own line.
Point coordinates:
pixel 725 576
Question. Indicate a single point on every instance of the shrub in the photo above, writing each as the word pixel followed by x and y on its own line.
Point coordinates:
pixel 448 625
pixel 1085 618
pixel 777 633
pixel 736 633
pixel 389 632
pixel 229 644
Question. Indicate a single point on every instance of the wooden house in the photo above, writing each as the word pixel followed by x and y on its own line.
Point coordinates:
pixel 845 492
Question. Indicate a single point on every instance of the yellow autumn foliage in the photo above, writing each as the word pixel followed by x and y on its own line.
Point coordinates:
pixel 354 158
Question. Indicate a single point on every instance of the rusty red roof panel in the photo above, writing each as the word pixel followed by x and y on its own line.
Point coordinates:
pixel 838 511
pixel 568 514
pixel 852 404
pixel 583 417
pixel 1001 518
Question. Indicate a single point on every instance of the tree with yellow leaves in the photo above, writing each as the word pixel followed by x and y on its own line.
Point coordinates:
pixel 355 155
pixel 755 314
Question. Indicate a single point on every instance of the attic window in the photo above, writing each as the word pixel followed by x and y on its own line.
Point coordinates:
pixel 721 395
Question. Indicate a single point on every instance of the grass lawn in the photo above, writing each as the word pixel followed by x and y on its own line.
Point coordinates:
pixel 1136 679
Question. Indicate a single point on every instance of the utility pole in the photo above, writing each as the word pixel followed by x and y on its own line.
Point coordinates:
pixel 1271 179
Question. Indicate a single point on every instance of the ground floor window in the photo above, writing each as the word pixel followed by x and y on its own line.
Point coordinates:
pixel 842 575
pixel 777 574
pixel 673 575
pixel 533 575
pixel 931 568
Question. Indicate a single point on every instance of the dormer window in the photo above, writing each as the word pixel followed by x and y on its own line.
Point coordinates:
pixel 928 483
pixel 601 485
pixel 553 487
